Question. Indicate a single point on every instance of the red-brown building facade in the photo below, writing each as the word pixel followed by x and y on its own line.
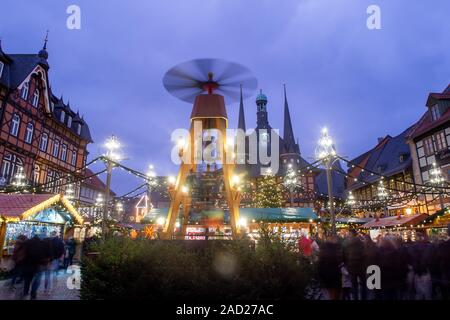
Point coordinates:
pixel 39 132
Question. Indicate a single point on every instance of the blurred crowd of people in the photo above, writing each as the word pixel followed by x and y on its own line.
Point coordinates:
pixel 36 258
pixel 409 270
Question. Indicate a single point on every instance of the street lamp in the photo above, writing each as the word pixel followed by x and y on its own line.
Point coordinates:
pixel 112 146
pixel 290 182
pixel 326 152
pixel 19 179
pixel 151 181
pixel 351 199
pixel 437 180
pixel 382 195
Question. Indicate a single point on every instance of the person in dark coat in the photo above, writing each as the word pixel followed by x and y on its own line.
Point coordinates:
pixel 353 250
pixel 329 271
pixel 37 256
pixel 18 258
pixel 57 251
pixel 70 247
pixel 370 258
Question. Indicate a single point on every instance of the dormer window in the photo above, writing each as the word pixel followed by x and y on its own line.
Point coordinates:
pixel 1 68
pixel 79 129
pixel 69 121
pixel 62 116
pixel 24 91
pixel 435 112
pixel 35 100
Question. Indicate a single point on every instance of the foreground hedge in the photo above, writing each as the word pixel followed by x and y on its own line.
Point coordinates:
pixel 206 270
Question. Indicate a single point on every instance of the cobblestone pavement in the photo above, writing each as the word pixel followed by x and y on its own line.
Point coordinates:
pixel 60 290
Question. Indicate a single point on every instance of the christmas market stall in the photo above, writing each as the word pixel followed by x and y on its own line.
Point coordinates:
pixel 436 224
pixel 214 223
pixel 405 226
pixel 291 222
pixel 36 214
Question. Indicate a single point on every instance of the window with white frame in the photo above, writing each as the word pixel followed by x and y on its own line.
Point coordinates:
pixel 36 174
pixel 55 148
pixel 24 91
pixel 29 133
pixel 15 124
pixel 69 121
pixel 35 100
pixel 441 143
pixel 62 117
pixel 435 112
pixel 63 152
pixel 73 161
pixel 428 146
pixel 10 166
pixel 79 129
pixel 1 68
pixel 43 143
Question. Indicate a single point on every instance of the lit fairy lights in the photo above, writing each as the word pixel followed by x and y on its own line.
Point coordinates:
pixel 325 146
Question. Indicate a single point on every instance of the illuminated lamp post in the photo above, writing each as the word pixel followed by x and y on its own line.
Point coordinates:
pixel 326 152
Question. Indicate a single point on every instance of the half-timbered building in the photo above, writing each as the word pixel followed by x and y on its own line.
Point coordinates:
pixel 40 133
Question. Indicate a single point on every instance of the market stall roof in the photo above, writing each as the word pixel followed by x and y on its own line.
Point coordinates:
pixel 16 207
pixel 395 221
pixel 353 220
pixel 440 219
pixel 279 214
pixel 259 214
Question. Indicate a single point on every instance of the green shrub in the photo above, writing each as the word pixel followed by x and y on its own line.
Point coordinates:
pixel 193 270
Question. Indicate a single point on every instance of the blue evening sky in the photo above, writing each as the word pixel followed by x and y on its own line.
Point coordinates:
pixel 360 83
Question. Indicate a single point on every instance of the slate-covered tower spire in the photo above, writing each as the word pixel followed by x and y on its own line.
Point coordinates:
pixel 289 150
pixel 288 132
pixel 241 120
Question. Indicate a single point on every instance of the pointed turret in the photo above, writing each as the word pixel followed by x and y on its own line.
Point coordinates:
pixel 43 54
pixel 288 133
pixel 241 121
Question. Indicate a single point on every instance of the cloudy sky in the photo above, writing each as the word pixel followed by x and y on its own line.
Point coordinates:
pixel 360 83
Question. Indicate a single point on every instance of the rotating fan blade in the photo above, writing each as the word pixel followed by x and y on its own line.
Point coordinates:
pixel 191 78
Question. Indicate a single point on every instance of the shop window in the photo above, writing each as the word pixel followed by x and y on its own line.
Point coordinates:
pixel 29 133
pixel 15 124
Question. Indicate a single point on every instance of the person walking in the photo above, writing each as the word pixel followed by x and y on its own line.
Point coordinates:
pixel 70 246
pixel 37 256
pixel 18 258
pixel 330 258
pixel 56 246
pixel 353 250
pixel 444 265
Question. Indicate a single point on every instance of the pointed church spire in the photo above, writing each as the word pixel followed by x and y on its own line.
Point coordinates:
pixel 241 121
pixel 288 133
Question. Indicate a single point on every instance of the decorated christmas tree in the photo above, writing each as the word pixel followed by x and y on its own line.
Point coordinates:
pixel 268 193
